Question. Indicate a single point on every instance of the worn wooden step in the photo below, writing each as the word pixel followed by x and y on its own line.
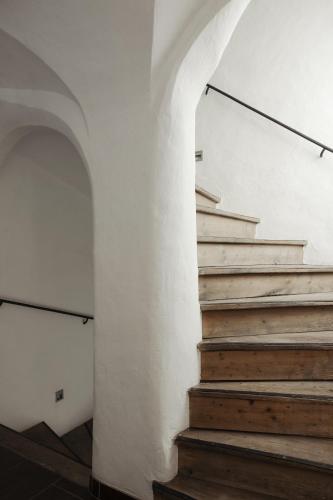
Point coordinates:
pixel 229 282
pixel 217 251
pixel 290 467
pixel 297 356
pixel 55 462
pixel 43 434
pixel 297 408
pixel 215 222
pixel 267 315
pixel 79 440
pixel 206 198
pixel 189 488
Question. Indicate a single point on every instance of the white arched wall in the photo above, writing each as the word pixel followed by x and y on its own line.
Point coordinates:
pixel 137 134
pixel 190 63
pixel 46 259
pixel 284 69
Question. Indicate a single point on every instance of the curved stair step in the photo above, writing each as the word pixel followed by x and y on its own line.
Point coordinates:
pixel 298 356
pixel 216 222
pixel 267 315
pixel 228 282
pixel 227 251
pixel 289 467
pixel 204 197
pixel 295 408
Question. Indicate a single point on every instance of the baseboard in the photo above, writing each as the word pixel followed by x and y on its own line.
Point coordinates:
pixel 103 492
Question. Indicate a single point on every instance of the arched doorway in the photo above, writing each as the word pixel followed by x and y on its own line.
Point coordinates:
pixel 45 259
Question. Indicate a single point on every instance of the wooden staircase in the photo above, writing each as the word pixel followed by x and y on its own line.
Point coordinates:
pixel 261 420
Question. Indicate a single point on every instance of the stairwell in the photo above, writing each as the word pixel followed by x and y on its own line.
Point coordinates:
pixel 261 420
pixel 39 464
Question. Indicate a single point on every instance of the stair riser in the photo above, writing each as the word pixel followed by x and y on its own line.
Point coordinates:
pixel 253 413
pixel 259 285
pixel 255 473
pixel 216 225
pixel 231 254
pixel 237 323
pixel 295 364
pixel 203 201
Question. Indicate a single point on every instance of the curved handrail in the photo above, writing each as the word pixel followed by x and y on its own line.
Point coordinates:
pixel 270 118
pixel 85 317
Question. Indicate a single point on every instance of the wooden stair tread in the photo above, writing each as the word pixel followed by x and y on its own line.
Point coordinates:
pixel 264 269
pixel 46 457
pixel 302 300
pixel 306 340
pixel 206 194
pixel 311 451
pixel 249 241
pixel 310 390
pixel 190 488
pixel 41 433
pixel 223 213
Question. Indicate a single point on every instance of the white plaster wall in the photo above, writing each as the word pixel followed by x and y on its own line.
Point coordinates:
pixel 141 165
pixel 45 258
pixel 278 60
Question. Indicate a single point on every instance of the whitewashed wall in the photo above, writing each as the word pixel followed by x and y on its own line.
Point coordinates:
pixel 280 61
pixel 45 258
pixel 93 75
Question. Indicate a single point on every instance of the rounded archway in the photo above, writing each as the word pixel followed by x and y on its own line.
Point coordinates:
pixel 46 259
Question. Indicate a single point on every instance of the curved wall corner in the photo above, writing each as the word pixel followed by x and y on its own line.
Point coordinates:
pixel 194 57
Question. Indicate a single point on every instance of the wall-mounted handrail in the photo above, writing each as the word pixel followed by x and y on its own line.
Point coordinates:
pixel 85 317
pixel 293 130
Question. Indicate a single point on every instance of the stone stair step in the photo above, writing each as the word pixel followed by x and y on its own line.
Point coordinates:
pixel 79 440
pixel 47 458
pixel 43 434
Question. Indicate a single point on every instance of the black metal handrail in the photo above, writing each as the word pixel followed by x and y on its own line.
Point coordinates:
pixel 293 130
pixel 85 317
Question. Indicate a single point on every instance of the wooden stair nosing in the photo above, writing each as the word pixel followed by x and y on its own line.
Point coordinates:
pixel 263 269
pixel 306 341
pixel 288 449
pixel 69 469
pixel 222 213
pixel 321 299
pixel 207 194
pixel 243 390
pixel 247 241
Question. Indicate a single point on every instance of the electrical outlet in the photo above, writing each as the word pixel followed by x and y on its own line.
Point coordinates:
pixel 59 395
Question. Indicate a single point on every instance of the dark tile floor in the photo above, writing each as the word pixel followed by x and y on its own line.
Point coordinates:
pixel 24 480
